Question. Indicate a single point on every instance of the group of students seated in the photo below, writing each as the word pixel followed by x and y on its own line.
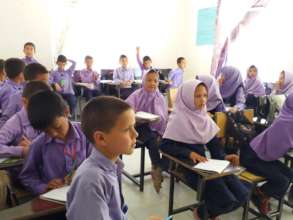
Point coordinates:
pixel 35 125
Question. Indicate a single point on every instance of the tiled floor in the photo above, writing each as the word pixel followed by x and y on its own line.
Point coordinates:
pixel 142 205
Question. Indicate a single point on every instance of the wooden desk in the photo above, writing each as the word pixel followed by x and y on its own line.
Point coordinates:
pixel 32 209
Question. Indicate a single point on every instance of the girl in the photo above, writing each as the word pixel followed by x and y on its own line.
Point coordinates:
pixel 188 131
pixel 231 88
pixel 149 99
pixel 284 84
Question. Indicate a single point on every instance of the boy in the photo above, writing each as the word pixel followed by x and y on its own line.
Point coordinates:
pixel 124 76
pixel 95 192
pixel 88 75
pixel 146 63
pixel 2 73
pixel 29 50
pixel 63 81
pixel 14 69
pixel 176 75
pixel 56 153
pixel 32 72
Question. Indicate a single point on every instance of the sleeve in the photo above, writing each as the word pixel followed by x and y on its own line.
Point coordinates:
pixel 116 76
pixel 131 100
pixel 8 134
pixel 175 150
pixel 72 67
pixel 87 202
pixel 14 106
pixel 215 149
pixel 240 98
pixel 173 77
pixel 30 174
pixel 139 61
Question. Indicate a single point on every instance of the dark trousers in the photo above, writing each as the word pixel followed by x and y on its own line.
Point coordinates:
pixel 71 100
pixel 150 140
pixel 278 174
pixel 90 93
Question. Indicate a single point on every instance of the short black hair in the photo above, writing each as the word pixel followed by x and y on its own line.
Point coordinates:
pixel 122 57
pixel 43 109
pixel 13 67
pixel 2 65
pixel 29 44
pixel 180 59
pixel 31 71
pixel 34 87
pixel 88 57
pixel 61 58
pixel 101 114
pixel 146 58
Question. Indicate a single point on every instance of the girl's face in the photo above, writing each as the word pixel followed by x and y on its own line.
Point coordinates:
pixel 281 79
pixel 252 72
pixel 200 97
pixel 151 82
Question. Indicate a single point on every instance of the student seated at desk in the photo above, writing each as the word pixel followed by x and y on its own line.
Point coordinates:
pixel 215 101
pixel 262 156
pixel 58 151
pixel 88 75
pixel 63 80
pixel 29 50
pixel 96 191
pixel 124 76
pixel 175 77
pixel 2 73
pixel 16 136
pixel 32 72
pixel 146 63
pixel 253 87
pixel 188 131
pixel 284 86
pixel 149 99
pixel 14 70
pixel 231 88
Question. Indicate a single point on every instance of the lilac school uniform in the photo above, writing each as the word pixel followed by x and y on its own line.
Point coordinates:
pixel 9 88
pixel 95 192
pixel 123 74
pixel 88 76
pixel 142 69
pixel 12 132
pixel 51 158
pixel 176 76
pixel 14 105
pixel 29 60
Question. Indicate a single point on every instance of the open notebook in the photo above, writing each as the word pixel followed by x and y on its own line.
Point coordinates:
pixel 213 165
pixel 147 116
pixel 56 195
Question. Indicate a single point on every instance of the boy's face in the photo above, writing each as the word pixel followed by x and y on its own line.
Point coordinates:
pixel 147 64
pixel 252 72
pixel 182 64
pixel 200 97
pixel 29 51
pixel 59 128
pixel 61 65
pixel 124 62
pixel 89 63
pixel 122 137
pixel 151 82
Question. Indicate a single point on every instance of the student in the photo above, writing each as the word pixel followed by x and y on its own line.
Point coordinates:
pixel 124 76
pixel 262 157
pixel 63 80
pixel 29 50
pixel 146 63
pixel 88 75
pixel 215 102
pixel 32 72
pixel 95 192
pixel 176 75
pixel 231 88
pixel 188 131
pixel 58 151
pixel 149 99
pixel 253 87
pixel 285 84
pixel 2 73
pixel 14 70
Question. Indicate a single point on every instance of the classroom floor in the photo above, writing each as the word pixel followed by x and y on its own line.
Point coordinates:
pixel 142 205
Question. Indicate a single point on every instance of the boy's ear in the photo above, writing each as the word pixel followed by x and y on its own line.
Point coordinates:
pixel 99 138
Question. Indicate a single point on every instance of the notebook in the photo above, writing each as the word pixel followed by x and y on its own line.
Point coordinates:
pixel 87 85
pixel 56 195
pixel 146 116
pixel 213 165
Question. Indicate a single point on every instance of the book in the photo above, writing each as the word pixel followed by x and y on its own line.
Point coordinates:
pixel 213 165
pixel 147 116
pixel 56 195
